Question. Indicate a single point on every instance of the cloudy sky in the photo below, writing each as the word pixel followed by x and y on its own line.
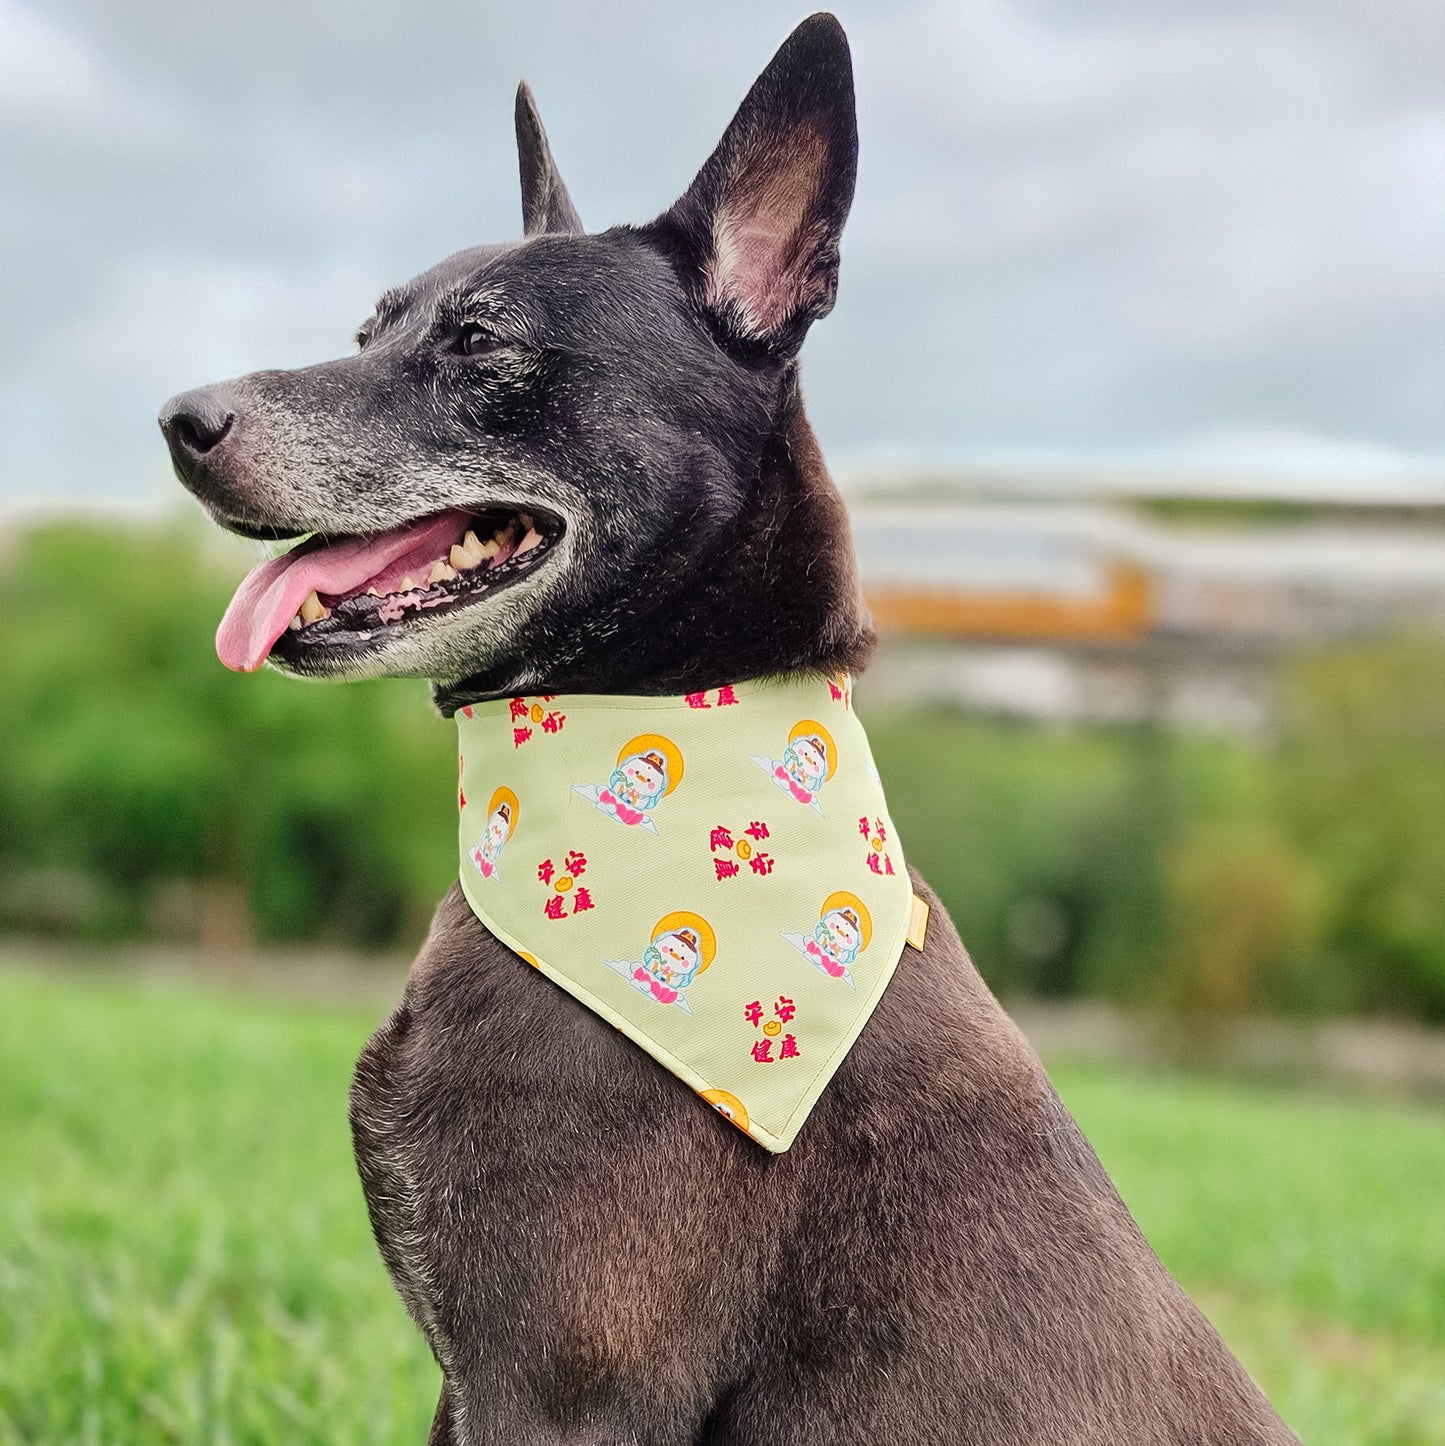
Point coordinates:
pixel 1192 232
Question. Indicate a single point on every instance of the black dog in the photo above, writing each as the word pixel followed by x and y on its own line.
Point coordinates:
pixel 604 440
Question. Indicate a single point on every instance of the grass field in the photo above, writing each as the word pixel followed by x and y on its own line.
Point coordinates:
pixel 184 1254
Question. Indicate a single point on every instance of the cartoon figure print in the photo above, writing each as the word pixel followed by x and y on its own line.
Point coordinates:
pixel 681 947
pixel 648 768
pixel 808 762
pixel 501 823
pixel 843 931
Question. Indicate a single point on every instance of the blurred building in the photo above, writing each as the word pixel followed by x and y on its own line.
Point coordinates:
pixel 1123 598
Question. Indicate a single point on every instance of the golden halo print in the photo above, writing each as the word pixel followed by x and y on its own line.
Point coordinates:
pixel 844 900
pixel 656 743
pixel 501 796
pixel 810 728
pixel 681 919
pixel 729 1106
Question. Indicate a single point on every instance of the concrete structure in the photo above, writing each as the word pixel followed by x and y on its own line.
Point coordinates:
pixel 1150 604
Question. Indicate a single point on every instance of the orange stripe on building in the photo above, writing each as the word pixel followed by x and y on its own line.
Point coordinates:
pixel 1123 612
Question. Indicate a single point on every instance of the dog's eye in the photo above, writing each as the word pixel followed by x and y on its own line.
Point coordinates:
pixel 478 341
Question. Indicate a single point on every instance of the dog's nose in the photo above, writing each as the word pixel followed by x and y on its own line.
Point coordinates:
pixel 196 423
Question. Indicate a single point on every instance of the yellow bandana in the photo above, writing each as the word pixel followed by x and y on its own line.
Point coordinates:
pixel 716 875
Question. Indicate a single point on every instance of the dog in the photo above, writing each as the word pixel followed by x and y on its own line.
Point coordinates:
pixel 613 425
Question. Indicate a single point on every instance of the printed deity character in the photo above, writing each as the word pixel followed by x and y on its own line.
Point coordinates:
pixel 843 931
pixel 648 769
pixel 838 938
pixel 640 781
pixel 486 856
pixel 681 947
pixel 805 761
pixel 808 762
pixel 670 964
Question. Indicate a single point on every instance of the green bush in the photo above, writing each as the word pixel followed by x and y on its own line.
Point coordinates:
pixel 1241 922
pixel 1361 772
pixel 143 784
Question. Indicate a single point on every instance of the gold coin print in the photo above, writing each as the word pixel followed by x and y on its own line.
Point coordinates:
pixel 745 849
pixel 563 884
pixel 537 713
pixel 772 1027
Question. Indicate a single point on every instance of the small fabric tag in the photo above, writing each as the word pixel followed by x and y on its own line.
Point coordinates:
pixel 917 923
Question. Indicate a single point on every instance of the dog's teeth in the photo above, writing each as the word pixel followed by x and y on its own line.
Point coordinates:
pixel 490 549
pixel 313 610
pixel 440 572
pixel 295 624
pixel 459 557
pixel 525 521
pixel 372 592
pixel 407 583
pixel 472 548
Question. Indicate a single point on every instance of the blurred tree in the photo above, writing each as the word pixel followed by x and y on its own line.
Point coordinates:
pixel 1362 787
pixel 134 761
pixel 1240 917
pixel 1019 829
pixel 1121 871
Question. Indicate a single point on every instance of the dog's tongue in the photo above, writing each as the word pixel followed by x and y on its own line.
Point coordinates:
pixel 272 594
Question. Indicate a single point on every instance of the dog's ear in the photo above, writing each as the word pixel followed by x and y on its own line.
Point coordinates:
pixel 756 234
pixel 546 206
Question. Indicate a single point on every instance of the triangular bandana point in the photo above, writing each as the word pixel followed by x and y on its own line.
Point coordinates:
pixel 714 874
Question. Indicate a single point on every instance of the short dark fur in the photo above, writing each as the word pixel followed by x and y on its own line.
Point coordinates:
pixel 593 1255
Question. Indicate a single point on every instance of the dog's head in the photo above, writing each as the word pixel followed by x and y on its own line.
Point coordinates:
pixel 538 440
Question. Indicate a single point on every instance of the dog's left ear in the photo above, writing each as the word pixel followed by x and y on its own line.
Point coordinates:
pixel 756 234
pixel 546 206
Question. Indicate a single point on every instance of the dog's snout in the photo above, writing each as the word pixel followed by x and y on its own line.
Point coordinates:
pixel 196 423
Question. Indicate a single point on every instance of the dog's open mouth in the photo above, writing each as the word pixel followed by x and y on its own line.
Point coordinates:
pixel 335 590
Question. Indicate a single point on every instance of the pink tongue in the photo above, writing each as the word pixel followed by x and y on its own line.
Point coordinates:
pixel 272 594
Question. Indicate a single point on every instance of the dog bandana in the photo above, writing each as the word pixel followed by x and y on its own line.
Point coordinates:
pixel 716 875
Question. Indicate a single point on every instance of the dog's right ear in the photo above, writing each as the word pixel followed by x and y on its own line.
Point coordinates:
pixel 756 234
pixel 546 206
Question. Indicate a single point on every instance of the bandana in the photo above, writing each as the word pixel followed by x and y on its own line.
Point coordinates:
pixel 716 875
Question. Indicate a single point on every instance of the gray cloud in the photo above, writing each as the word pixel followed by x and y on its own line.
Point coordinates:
pixel 1206 231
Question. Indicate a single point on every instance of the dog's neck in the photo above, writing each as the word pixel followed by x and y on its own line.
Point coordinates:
pixel 778 595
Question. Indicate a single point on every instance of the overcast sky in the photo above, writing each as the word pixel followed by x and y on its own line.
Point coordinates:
pixel 1205 232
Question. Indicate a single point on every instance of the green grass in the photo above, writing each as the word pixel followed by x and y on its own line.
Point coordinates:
pixel 184 1254
pixel 184 1251
pixel 1308 1227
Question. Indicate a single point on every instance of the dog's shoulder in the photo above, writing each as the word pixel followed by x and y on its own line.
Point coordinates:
pixel 940 1060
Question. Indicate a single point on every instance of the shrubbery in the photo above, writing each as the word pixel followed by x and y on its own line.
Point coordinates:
pixel 1205 877
pixel 144 790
